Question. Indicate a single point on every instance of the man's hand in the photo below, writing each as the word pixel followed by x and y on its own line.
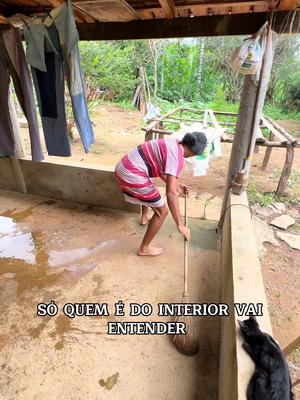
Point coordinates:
pixel 183 190
pixel 186 233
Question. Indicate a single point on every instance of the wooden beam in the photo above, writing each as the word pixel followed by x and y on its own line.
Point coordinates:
pixel 216 5
pixel 268 152
pixel 291 347
pixel 281 130
pixel 80 3
pixel 286 171
pixel 169 8
pixel 287 5
pixel 78 14
pixel 250 110
pixel 3 20
pixel 216 25
pixel 267 124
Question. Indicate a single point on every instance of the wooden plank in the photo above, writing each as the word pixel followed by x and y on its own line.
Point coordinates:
pixel 290 348
pixel 267 124
pixel 259 136
pixel 217 125
pixel 154 123
pixel 216 25
pixel 205 119
pixel 90 5
pixel 287 168
pixel 287 5
pixel 268 152
pixel 281 130
pixel 215 5
pixel 169 8
pixel 3 20
pixel 57 3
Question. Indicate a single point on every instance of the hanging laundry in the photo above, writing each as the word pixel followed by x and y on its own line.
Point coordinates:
pixel 45 57
pixel 13 62
pixel 65 23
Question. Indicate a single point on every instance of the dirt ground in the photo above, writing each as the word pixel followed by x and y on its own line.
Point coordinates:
pixel 118 130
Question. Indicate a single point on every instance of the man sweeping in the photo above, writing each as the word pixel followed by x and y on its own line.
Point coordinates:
pixel 163 158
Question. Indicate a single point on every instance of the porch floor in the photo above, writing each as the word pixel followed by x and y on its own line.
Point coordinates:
pixel 69 252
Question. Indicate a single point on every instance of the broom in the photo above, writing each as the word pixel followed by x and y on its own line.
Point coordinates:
pixel 188 343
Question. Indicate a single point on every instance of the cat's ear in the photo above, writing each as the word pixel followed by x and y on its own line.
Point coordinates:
pixel 249 327
pixel 253 318
pixel 244 328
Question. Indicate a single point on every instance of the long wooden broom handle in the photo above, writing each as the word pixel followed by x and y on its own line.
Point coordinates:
pixel 185 292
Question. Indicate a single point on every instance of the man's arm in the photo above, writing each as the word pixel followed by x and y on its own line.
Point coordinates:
pixel 172 199
pixel 163 178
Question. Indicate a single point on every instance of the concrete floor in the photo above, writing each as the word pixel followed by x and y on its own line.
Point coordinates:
pixel 67 252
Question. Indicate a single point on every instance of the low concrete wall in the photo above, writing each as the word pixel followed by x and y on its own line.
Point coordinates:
pixel 241 283
pixel 90 185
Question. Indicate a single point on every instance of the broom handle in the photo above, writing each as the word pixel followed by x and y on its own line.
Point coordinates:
pixel 185 249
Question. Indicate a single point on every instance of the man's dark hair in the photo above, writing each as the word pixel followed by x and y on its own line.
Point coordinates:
pixel 196 141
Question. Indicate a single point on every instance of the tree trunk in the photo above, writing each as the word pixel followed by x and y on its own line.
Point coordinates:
pixel 200 68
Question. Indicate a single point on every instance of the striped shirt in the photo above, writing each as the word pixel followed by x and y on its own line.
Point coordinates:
pixel 153 158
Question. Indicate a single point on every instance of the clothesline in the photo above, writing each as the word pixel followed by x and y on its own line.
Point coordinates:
pixel 52 54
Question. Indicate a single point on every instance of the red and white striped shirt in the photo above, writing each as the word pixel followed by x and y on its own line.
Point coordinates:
pixel 153 158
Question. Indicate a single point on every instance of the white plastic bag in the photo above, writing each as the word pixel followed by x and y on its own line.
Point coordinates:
pixel 152 112
pixel 246 59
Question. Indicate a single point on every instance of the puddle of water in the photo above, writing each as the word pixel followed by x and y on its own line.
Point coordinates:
pixel 20 250
pixel 20 246
pixel 60 258
pixel 110 382
pixel 7 226
pixel 81 269
pixel 18 216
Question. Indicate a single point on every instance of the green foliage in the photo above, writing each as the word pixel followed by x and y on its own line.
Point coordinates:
pixel 254 196
pixel 278 113
pixel 293 180
pixel 172 69
pixel 109 66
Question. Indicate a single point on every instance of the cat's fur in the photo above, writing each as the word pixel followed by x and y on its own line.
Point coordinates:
pixel 271 379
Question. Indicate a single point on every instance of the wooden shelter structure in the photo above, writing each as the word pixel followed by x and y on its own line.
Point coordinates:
pixel 138 19
pixel 277 136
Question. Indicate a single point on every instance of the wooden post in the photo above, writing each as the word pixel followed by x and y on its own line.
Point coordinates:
pixel 286 171
pixel 268 152
pixel 251 105
pixel 291 347
pixel 19 143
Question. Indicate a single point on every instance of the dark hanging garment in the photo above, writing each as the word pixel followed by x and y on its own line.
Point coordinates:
pixel 13 63
pixel 68 35
pixel 46 60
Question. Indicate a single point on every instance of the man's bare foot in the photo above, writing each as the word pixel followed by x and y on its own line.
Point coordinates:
pixel 150 251
pixel 145 219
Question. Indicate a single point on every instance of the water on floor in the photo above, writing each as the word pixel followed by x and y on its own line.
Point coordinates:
pixel 71 253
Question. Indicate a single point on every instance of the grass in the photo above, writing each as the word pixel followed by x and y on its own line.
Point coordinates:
pixel 254 196
pixel 296 354
pixel 293 180
pixel 219 104
pixel 278 114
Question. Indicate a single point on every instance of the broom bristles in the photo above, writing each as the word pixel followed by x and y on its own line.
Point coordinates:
pixel 188 343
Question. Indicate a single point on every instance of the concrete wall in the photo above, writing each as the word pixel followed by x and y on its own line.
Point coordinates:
pixel 241 283
pixel 90 185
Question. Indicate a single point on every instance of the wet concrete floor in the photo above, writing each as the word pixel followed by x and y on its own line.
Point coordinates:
pixel 68 252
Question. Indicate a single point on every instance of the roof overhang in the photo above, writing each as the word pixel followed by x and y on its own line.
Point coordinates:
pixel 215 25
